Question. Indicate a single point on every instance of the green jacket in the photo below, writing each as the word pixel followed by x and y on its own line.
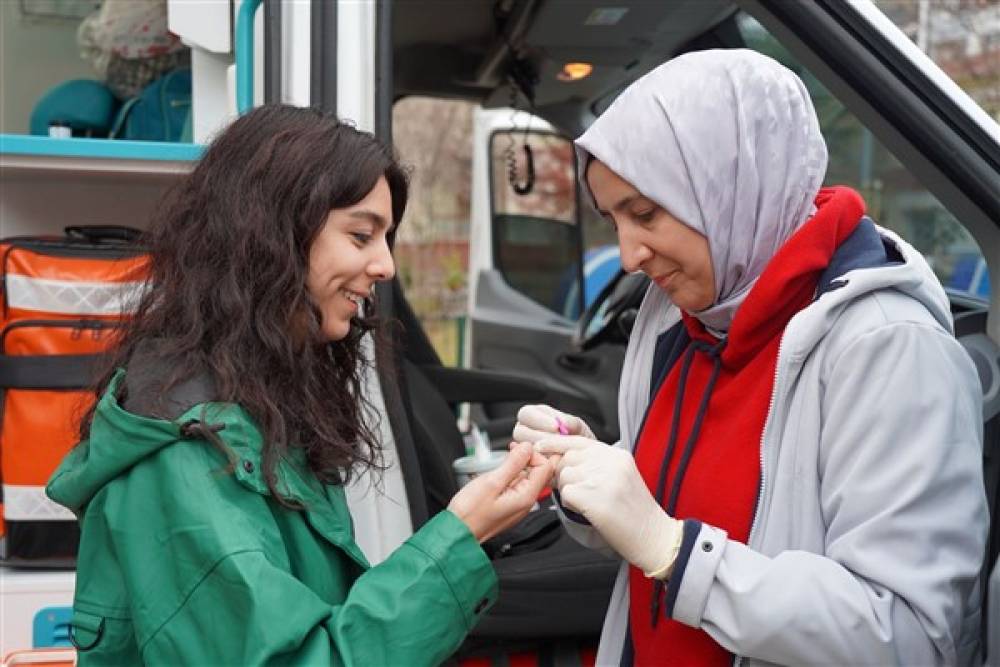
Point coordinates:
pixel 185 559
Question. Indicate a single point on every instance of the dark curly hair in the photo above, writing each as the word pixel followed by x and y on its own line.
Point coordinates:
pixel 227 290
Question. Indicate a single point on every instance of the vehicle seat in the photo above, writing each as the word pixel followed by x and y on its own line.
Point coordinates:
pixel 436 438
pixel 550 586
pixel 970 329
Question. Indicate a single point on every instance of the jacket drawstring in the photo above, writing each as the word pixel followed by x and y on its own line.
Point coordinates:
pixel 715 353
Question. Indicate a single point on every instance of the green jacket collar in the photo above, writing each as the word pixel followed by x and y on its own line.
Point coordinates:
pixel 120 439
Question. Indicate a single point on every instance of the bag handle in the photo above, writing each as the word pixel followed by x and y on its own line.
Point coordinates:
pixel 103 233
pixel 118 126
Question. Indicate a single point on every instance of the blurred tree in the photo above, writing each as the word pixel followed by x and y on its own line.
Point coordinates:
pixel 961 36
pixel 434 138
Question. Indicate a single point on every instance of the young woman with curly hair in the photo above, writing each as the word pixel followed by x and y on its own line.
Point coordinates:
pixel 210 477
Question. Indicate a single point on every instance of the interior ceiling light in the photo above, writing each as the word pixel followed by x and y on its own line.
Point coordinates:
pixel 574 71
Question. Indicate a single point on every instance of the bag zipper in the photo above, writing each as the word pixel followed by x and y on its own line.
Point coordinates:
pixel 97 328
pixel 58 246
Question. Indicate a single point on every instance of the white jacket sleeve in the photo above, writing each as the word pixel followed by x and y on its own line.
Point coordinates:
pixel 901 492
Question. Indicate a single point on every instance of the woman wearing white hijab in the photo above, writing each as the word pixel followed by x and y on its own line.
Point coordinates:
pixel 799 476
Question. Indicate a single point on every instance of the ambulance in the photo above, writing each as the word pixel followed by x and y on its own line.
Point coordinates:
pixel 549 310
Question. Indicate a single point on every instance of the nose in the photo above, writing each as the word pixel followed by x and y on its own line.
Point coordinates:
pixel 634 253
pixel 382 266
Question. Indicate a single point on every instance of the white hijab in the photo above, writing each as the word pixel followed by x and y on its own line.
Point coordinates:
pixel 728 142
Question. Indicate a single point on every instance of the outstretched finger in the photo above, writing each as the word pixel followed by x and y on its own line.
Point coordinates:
pixel 541 418
pixel 516 461
pixel 538 459
pixel 560 444
pixel 524 433
pixel 538 475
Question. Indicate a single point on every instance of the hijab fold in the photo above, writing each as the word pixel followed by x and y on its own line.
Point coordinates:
pixel 727 141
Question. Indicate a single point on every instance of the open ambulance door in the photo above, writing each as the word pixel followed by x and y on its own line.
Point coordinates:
pixel 540 255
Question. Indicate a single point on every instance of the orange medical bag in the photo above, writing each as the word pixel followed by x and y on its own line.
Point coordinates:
pixel 63 300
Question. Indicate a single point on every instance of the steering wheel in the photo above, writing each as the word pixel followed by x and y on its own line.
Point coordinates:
pixel 611 315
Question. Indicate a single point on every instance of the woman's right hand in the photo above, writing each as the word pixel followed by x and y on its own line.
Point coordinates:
pixel 493 502
pixel 536 422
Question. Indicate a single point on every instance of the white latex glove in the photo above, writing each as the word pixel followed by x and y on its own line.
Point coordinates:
pixel 603 484
pixel 535 422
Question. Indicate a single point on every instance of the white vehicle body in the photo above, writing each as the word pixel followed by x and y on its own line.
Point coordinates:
pixel 507 330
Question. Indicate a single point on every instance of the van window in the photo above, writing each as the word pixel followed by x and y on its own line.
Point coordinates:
pixel 434 140
pixel 894 197
pixel 537 240
pixel 601 259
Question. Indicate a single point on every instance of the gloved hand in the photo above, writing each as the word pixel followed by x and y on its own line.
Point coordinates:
pixel 603 484
pixel 535 422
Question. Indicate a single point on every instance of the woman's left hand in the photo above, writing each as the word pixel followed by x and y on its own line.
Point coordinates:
pixel 603 484
pixel 494 501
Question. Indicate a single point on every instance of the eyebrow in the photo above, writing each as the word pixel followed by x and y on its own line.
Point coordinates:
pixel 365 214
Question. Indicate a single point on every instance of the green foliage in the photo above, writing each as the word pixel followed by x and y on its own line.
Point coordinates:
pixel 454 272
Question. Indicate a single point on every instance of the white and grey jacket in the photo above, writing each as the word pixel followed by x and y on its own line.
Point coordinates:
pixel 871 519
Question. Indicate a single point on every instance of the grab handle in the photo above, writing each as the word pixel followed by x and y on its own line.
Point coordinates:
pixel 244 55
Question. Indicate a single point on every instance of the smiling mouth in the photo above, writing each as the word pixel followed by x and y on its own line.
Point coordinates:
pixel 353 297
